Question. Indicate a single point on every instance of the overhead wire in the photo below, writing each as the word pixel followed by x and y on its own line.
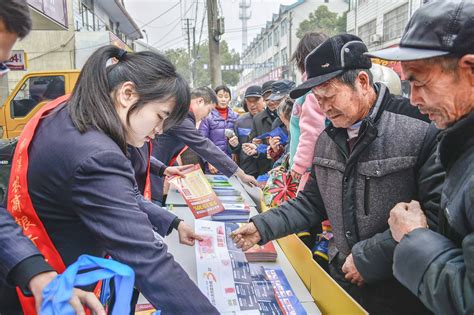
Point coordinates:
pixel 173 28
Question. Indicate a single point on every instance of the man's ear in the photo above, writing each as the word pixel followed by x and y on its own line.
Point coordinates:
pixel 364 81
pixel 467 63
pixel 126 95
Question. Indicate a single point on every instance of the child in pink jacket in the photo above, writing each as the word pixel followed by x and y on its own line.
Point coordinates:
pixel 307 120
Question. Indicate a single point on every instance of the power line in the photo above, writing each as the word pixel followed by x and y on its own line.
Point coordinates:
pixel 156 18
pixel 200 32
pixel 173 28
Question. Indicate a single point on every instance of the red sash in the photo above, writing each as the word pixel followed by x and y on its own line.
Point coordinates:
pixel 20 205
pixel 174 158
pixel 147 190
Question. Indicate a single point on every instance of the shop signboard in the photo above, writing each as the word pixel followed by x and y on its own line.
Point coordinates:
pixel 18 61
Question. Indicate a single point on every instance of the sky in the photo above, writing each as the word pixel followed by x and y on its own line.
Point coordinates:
pixel 163 20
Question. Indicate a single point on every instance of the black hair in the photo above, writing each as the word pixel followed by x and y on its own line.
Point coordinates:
pixel 206 93
pixel 222 87
pixel 244 105
pixel 15 15
pixel 91 105
pixel 307 44
pixel 286 107
pixel 349 77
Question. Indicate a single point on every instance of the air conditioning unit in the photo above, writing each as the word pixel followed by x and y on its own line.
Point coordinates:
pixel 375 39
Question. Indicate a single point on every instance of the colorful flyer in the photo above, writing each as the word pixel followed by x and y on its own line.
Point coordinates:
pixel 232 284
pixel 197 192
pixel 223 275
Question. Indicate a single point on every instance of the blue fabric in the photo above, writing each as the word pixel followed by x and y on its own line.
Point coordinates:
pixel 277 132
pixel 57 294
pixel 262 148
pixel 243 132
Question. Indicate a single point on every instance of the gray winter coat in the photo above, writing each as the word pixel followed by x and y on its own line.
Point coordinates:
pixel 392 161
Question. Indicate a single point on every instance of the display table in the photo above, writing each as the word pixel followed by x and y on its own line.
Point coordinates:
pixel 315 289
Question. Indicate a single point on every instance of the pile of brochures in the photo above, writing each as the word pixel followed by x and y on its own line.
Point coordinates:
pixel 235 207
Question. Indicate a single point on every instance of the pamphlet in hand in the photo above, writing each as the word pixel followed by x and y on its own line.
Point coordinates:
pixel 197 192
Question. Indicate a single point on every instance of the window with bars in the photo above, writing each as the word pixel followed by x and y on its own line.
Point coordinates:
pixel 366 30
pixel 284 57
pixel 283 28
pixel 276 60
pixel 394 22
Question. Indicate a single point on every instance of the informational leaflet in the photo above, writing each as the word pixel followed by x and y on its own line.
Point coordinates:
pixel 232 284
pixel 197 192
pixel 223 275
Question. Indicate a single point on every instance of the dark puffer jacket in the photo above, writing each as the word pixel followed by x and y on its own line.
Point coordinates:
pixel 439 267
pixel 213 127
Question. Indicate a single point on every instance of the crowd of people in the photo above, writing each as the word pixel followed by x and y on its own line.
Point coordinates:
pixel 394 176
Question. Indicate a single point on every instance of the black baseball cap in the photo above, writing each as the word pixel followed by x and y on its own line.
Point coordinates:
pixel 267 86
pixel 438 28
pixel 280 89
pixel 253 91
pixel 333 57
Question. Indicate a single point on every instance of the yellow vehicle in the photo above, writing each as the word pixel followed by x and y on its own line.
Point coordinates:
pixel 33 91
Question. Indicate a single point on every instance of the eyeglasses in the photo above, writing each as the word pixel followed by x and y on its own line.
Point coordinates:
pixel 3 68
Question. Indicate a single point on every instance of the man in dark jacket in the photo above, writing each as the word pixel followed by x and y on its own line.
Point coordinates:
pixel 377 151
pixel 243 127
pixel 167 146
pixel 437 55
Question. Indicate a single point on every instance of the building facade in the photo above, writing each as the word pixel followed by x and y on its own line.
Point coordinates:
pixel 66 32
pixel 267 56
pixel 380 24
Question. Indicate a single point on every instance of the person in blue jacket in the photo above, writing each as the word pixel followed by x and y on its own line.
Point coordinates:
pixel 82 184
pixel 21 264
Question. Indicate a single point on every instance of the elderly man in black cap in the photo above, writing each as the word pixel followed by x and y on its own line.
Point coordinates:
pixel 243 126
pixel 377 151
pixel 437 56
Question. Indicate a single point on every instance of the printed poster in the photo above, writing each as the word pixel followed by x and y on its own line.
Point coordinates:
pixel 232 284
pixel 197 192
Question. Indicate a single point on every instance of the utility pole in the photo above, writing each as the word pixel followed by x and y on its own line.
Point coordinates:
pixel 290 48
pixel 193 58
pixel 214 38
pixel 190 53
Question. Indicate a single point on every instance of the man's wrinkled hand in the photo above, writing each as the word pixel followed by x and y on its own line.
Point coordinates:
pixel 406 217
pixel 249 149
pixel 246 236
pixel 352 274
pixel 234 141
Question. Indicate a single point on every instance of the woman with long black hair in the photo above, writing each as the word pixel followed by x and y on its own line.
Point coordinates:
pixel 75 186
